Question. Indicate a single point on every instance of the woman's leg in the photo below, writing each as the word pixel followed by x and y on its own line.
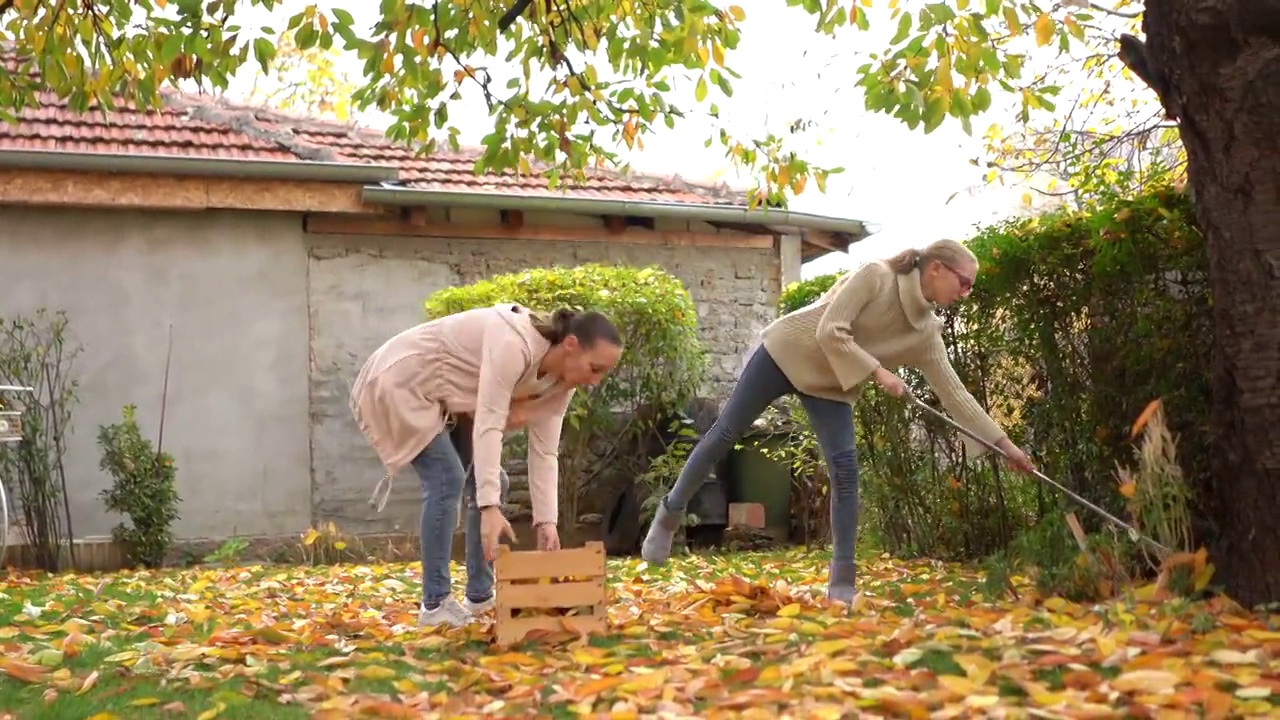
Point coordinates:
pixel 442 475
pixel 479 593
pixel 832 422
pixel 761 383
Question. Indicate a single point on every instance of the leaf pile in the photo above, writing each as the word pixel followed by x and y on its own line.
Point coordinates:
pixel 747 635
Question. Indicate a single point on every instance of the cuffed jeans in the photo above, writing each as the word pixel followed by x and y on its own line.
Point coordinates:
pixel 443 476
pixel 761 383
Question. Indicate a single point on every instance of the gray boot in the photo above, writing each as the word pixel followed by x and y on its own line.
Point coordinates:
pixel 657 543
pixel 840 583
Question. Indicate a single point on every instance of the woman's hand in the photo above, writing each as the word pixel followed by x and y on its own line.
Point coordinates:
pixel 492 527
pixel 1015 457
pixel 891 383
pixel 548 537
pixel 517 416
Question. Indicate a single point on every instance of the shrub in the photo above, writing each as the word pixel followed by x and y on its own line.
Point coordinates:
pixel 661 369
pixel 144 489
pixel 803 292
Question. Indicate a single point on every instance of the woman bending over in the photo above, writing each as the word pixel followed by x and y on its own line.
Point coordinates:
pixel 876 317
pixel 505 368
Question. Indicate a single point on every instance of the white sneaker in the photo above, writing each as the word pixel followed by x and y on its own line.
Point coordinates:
pixel 448 613
pixel 477 608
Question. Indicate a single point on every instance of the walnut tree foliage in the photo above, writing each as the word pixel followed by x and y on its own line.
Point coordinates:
pixel 567 82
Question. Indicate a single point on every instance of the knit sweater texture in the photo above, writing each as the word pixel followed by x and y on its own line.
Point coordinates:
pixel 871 318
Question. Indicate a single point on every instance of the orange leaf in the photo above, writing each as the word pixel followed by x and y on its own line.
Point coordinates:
pixel 26 672
pixel 1144 418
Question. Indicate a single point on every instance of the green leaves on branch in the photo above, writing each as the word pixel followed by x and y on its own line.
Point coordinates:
pixel 577 81
pixel 943 60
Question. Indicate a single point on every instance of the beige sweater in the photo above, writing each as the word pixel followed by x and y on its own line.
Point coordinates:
pixel 872 317
pixel 482 362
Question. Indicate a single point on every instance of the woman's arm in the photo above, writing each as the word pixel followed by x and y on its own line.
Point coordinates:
pixel 957 400
pixel 544 458
pixel 850 362
pixel 503 361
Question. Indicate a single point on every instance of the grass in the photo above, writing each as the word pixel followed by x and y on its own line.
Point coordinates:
pixel 699 637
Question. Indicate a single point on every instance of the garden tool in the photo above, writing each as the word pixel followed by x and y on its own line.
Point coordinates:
pixel 1132 531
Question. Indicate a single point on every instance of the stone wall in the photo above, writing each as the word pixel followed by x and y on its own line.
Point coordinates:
pixel 363 289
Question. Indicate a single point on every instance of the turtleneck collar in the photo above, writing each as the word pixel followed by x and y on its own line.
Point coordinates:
pixel 918 309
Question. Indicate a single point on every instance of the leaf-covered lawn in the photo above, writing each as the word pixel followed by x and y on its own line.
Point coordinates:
pixel 737 635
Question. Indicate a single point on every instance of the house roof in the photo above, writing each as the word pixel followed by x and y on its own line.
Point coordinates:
pixel 202 126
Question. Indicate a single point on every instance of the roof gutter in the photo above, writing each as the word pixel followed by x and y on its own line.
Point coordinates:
pixel 402 196
pixel 200 166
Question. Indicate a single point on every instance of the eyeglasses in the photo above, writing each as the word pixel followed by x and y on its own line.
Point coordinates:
pixel 966 283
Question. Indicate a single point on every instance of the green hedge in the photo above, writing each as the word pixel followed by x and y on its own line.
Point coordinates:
pixel 661 370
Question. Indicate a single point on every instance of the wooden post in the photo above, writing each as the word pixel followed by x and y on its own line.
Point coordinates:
pixel 553 591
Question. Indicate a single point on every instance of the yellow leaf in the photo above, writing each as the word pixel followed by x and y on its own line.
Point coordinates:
pixel 1011 19
pixel 1044 29
pixel 703 54
pixel 376 672
pixel 311 536
pixel 717 54
pixel 212 712
pixel 144 701
pixel 738 13
pixel 103 716
pixel 829 647
pixel 1128 489
pixel 790 610
pixel 1149 681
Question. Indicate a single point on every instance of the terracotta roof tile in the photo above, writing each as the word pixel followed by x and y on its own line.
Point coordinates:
pixel 203 126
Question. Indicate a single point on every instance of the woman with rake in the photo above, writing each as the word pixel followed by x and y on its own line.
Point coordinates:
pixel 879 316
pixel 504 368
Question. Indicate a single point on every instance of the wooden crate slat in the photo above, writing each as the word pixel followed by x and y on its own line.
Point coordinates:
pixel 520 586
pixel 555 595
pixel 513 630
pixel 531 565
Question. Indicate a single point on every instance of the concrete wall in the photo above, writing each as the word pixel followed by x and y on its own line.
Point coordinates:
pixel 270 326
pixel 233 286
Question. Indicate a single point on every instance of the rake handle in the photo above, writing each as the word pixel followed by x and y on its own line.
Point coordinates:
pixel 910 397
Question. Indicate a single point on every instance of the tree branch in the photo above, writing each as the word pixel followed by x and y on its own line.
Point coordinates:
pixel 1117 13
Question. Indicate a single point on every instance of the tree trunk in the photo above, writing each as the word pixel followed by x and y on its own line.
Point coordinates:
pixel 1217 69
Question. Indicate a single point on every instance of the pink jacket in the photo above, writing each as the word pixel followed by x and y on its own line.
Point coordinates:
pixel 482 362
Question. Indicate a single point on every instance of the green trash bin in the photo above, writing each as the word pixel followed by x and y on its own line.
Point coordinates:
pixel 759 478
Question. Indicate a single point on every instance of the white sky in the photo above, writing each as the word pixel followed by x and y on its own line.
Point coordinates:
pixel 896 179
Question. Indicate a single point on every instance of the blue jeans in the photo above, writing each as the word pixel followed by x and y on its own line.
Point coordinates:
pixel 443 477
pixel 761 383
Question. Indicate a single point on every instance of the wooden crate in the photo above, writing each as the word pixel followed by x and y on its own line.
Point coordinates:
pixel 554 591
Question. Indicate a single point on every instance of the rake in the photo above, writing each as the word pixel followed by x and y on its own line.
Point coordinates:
pixel 1132 531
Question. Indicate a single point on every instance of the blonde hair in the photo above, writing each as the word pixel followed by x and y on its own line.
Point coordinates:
pixel 946 251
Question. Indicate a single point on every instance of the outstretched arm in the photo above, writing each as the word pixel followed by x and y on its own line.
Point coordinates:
pixel 544 459
pixel 957 400
pixel 503 362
